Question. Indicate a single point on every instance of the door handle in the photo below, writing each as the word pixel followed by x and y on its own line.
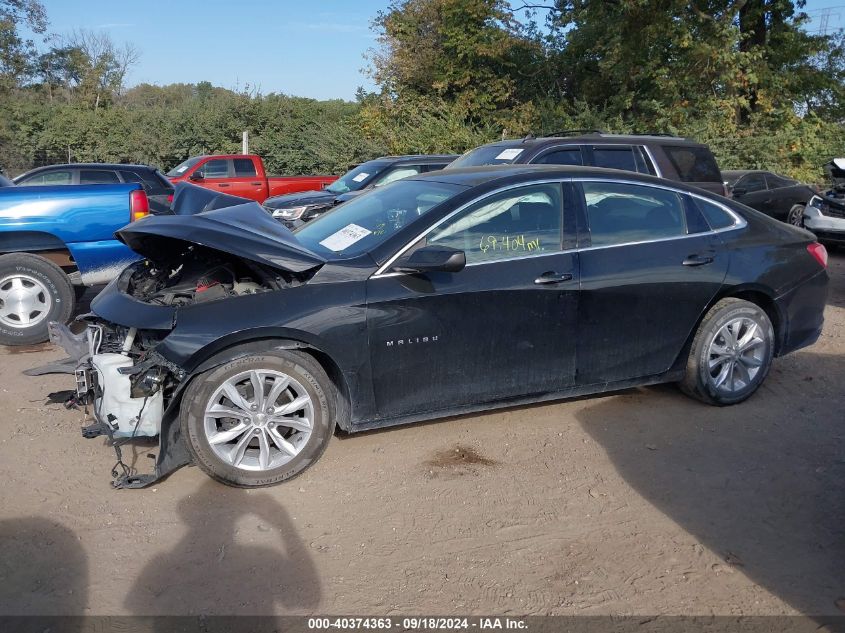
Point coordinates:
pixel 255 184
pixel 222 185
pixel 553 278
pixel 698 260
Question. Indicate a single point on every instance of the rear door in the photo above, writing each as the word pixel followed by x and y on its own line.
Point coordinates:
pixel 651 266
pixel 501 328
pixel 753 191
pixel 245 181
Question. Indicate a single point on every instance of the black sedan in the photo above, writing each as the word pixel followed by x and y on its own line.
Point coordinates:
pixel 777 196
pixel 244 345
pixel 295 209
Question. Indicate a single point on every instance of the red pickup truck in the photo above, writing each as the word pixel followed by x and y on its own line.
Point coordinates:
pixel 242 175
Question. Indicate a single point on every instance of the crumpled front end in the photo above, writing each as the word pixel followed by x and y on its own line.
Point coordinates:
pixel 824 215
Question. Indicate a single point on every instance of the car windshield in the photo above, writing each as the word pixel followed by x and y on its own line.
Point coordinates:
pixel 364 222
pixel 182 167
pixel 487 155
pixel 357 178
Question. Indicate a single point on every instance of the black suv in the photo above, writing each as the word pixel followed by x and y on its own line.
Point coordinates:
pixel 158 188
pixel 671 157
pixel 295 209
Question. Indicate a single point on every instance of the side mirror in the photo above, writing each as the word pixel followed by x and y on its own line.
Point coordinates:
pixel 197 175
pixel 739 191
pixel 431 259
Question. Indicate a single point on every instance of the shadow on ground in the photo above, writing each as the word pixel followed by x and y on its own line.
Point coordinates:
pixel 763 491
pixel 240 555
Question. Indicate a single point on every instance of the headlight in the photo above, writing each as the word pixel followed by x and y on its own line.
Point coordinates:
pixel 816 203
pixel 294 213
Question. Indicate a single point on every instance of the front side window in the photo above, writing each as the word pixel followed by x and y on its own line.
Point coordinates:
pixel 396 174
pixel 218 168
pixel 244 168
pixel 620 213
pixel 97 177
pixel 489 155
pixel 510 224
pixel 751 183
pixel 615 158
pixel 562 156
pixel 50 178
pixel 184 166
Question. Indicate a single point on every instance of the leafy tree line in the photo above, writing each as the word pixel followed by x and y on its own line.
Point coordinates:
pixel 744 76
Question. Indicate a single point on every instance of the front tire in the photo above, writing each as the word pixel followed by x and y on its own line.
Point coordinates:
pixel 731 353
pixel 33 292
pixel 259 420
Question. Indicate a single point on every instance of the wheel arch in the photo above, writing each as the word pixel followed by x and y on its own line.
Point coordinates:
pixel 264 342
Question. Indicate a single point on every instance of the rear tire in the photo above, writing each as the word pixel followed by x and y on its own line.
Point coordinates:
pixel 33 292
pixel 796 216
pixel 731 353
pixel 269 438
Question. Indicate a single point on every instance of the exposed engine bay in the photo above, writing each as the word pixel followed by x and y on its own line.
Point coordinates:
pixel 198 274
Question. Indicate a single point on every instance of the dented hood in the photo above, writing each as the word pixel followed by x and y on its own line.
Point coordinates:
pixel 244 230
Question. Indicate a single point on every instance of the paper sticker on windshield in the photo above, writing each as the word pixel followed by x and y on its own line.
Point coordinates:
pixel 179 170
pixel 345 237
pixel 509 154
pixel 360 177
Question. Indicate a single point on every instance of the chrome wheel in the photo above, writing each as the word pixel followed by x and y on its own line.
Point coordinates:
pixel 736 354
pixel 24 301
pixel 259 419
pixel 796 216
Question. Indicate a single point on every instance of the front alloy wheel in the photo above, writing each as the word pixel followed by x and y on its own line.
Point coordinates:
pixel 259 419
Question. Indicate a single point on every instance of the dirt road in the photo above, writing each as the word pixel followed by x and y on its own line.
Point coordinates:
pixel 641 502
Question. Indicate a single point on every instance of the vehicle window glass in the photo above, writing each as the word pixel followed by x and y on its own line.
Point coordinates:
pixel 357 177
pixel 693 163
pixel 510 224
pixel 244 168
pixel 566 156
pixel 716 216
pixel 97 177
pixel 644 165
pixel 361 224
pixel 619 213
pixel 433 167
pixel 752 183
pixel 50 178
pixel 489 155
pixel 397 174
pixel 614 158
pixel 775 182
pixel 218 168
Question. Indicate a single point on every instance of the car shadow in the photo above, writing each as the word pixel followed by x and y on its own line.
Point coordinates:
pixel 760 484
pixel 240 555
pixel 43 572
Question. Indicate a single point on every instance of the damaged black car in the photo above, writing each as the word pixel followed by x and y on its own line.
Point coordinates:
pixel 243 345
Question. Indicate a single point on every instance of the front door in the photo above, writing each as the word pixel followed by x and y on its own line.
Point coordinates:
pixel 651 270
pixel 501 328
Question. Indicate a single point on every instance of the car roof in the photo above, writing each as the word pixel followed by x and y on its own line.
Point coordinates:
pixel 89 166
pixel 598 138
pixel 475 176
pixel 419 158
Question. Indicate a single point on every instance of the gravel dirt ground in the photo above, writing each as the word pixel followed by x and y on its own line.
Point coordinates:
pixel 639 502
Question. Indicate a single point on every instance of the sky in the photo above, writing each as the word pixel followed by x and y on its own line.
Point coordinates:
pixel 305 48
pixel 310 49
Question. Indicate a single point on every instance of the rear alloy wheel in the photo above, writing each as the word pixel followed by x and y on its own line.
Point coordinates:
pixel 731 353
pixel 33 292
pixel 259 420
pixel 796 216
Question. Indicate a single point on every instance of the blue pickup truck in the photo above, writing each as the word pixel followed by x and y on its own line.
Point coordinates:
pixel 54 242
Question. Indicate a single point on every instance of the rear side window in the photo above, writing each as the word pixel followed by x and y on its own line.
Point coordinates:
pixel 218 168
pixel 615 158
pixel 619 213
pixel 716 216
pixel 563 156
pixel 97 177
pixel 244 168
pixel 751 183
pixel 693 163
pixel 64 177
pixel 150 181
pixel 774 181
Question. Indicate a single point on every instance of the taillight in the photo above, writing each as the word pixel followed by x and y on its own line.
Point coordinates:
pixel 819 252
pixel 139 205
pixel 170 198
